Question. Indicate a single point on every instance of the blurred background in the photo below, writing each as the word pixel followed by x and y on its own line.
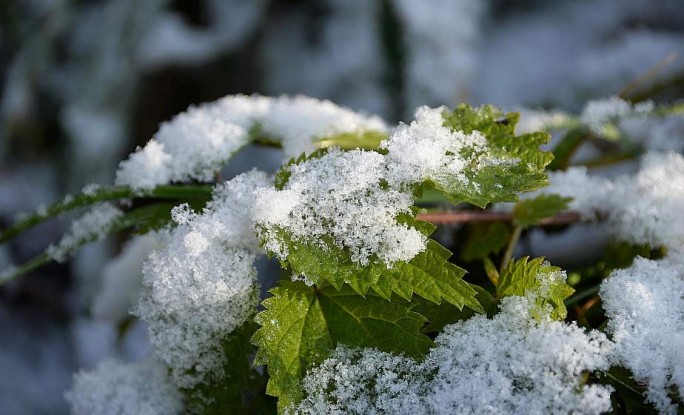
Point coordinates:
pixel 85 82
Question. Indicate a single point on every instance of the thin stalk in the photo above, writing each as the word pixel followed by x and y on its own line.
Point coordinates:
pixel 580 296
pixel 131 219
pixel 619 381
pixel 103 195
pixel 446 218
pixel 649 74
pixel 512 242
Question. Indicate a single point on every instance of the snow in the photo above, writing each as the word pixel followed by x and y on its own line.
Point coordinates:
pixel 202 284
pixel 127 389
pixel 644 207
pixel 645 306
pixel 340 195
pixel 196 143
pixel 426 150
pixel 93 225
pixel 596 114
pixel 509 364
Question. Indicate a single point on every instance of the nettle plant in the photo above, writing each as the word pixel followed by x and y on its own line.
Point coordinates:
pixel 372 314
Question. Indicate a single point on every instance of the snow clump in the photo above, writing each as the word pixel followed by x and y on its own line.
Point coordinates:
pixel 127 389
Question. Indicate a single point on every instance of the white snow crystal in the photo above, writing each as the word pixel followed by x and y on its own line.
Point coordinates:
pixel 512 364
pixel 645 306
pixel 665 133
pixel 196 143
pixel 94 224
pixel 340 195
pixel 125 389
pixel 201 286
pixel 600 112
pixel 426 149
pixel 364 381
pixel 644 207
pixel 509 364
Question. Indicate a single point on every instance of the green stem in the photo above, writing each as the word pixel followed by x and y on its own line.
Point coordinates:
pixel 512 242
pixel 620 382
pixel 589 292
pixel 28 266
pixel 609 159
pixel 102 195
pixel 131 219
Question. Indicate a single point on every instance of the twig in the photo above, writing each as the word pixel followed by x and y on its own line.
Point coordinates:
pixel 446 218
pixel 648 74
pixel 512 242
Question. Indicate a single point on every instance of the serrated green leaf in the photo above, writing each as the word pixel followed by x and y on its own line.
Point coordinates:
pixel 530 212
pixel 513 164
pixel 301 325
pixel 429 274
pixel 536 276
pixel 484 239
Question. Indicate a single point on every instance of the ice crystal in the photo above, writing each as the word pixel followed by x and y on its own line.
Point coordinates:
pixel 93 225
pixel 127 389
pixel 645 306
pixel 194 144
pixel 201 286
pixel 508 364
pixel 341 196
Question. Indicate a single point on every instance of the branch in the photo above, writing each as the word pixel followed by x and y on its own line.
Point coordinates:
pixel 448 218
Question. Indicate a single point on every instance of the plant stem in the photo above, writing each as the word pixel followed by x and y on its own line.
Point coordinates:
pixel 445 218
pixel 589 292
pixel 102 195
pixel 131 219
pixel 512 242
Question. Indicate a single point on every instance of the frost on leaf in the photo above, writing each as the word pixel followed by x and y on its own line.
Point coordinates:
pixel 334 217
pixel 510 164
pixel 95 224
pixel 600 114
pixel 543 283
pixel 126 389
pixel 201 286
pixel 509 364
pixel 645 307
pixel 196 143
pixel 302 324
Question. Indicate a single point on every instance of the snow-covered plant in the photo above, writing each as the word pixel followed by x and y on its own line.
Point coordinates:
pixel 371 313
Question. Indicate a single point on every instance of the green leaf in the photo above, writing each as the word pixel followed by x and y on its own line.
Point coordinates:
pixel 301 325
pixel 429 274
pixel 530 212
pixel 368 140
pixel 484 239
pixel 537 276
pixel 513 164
